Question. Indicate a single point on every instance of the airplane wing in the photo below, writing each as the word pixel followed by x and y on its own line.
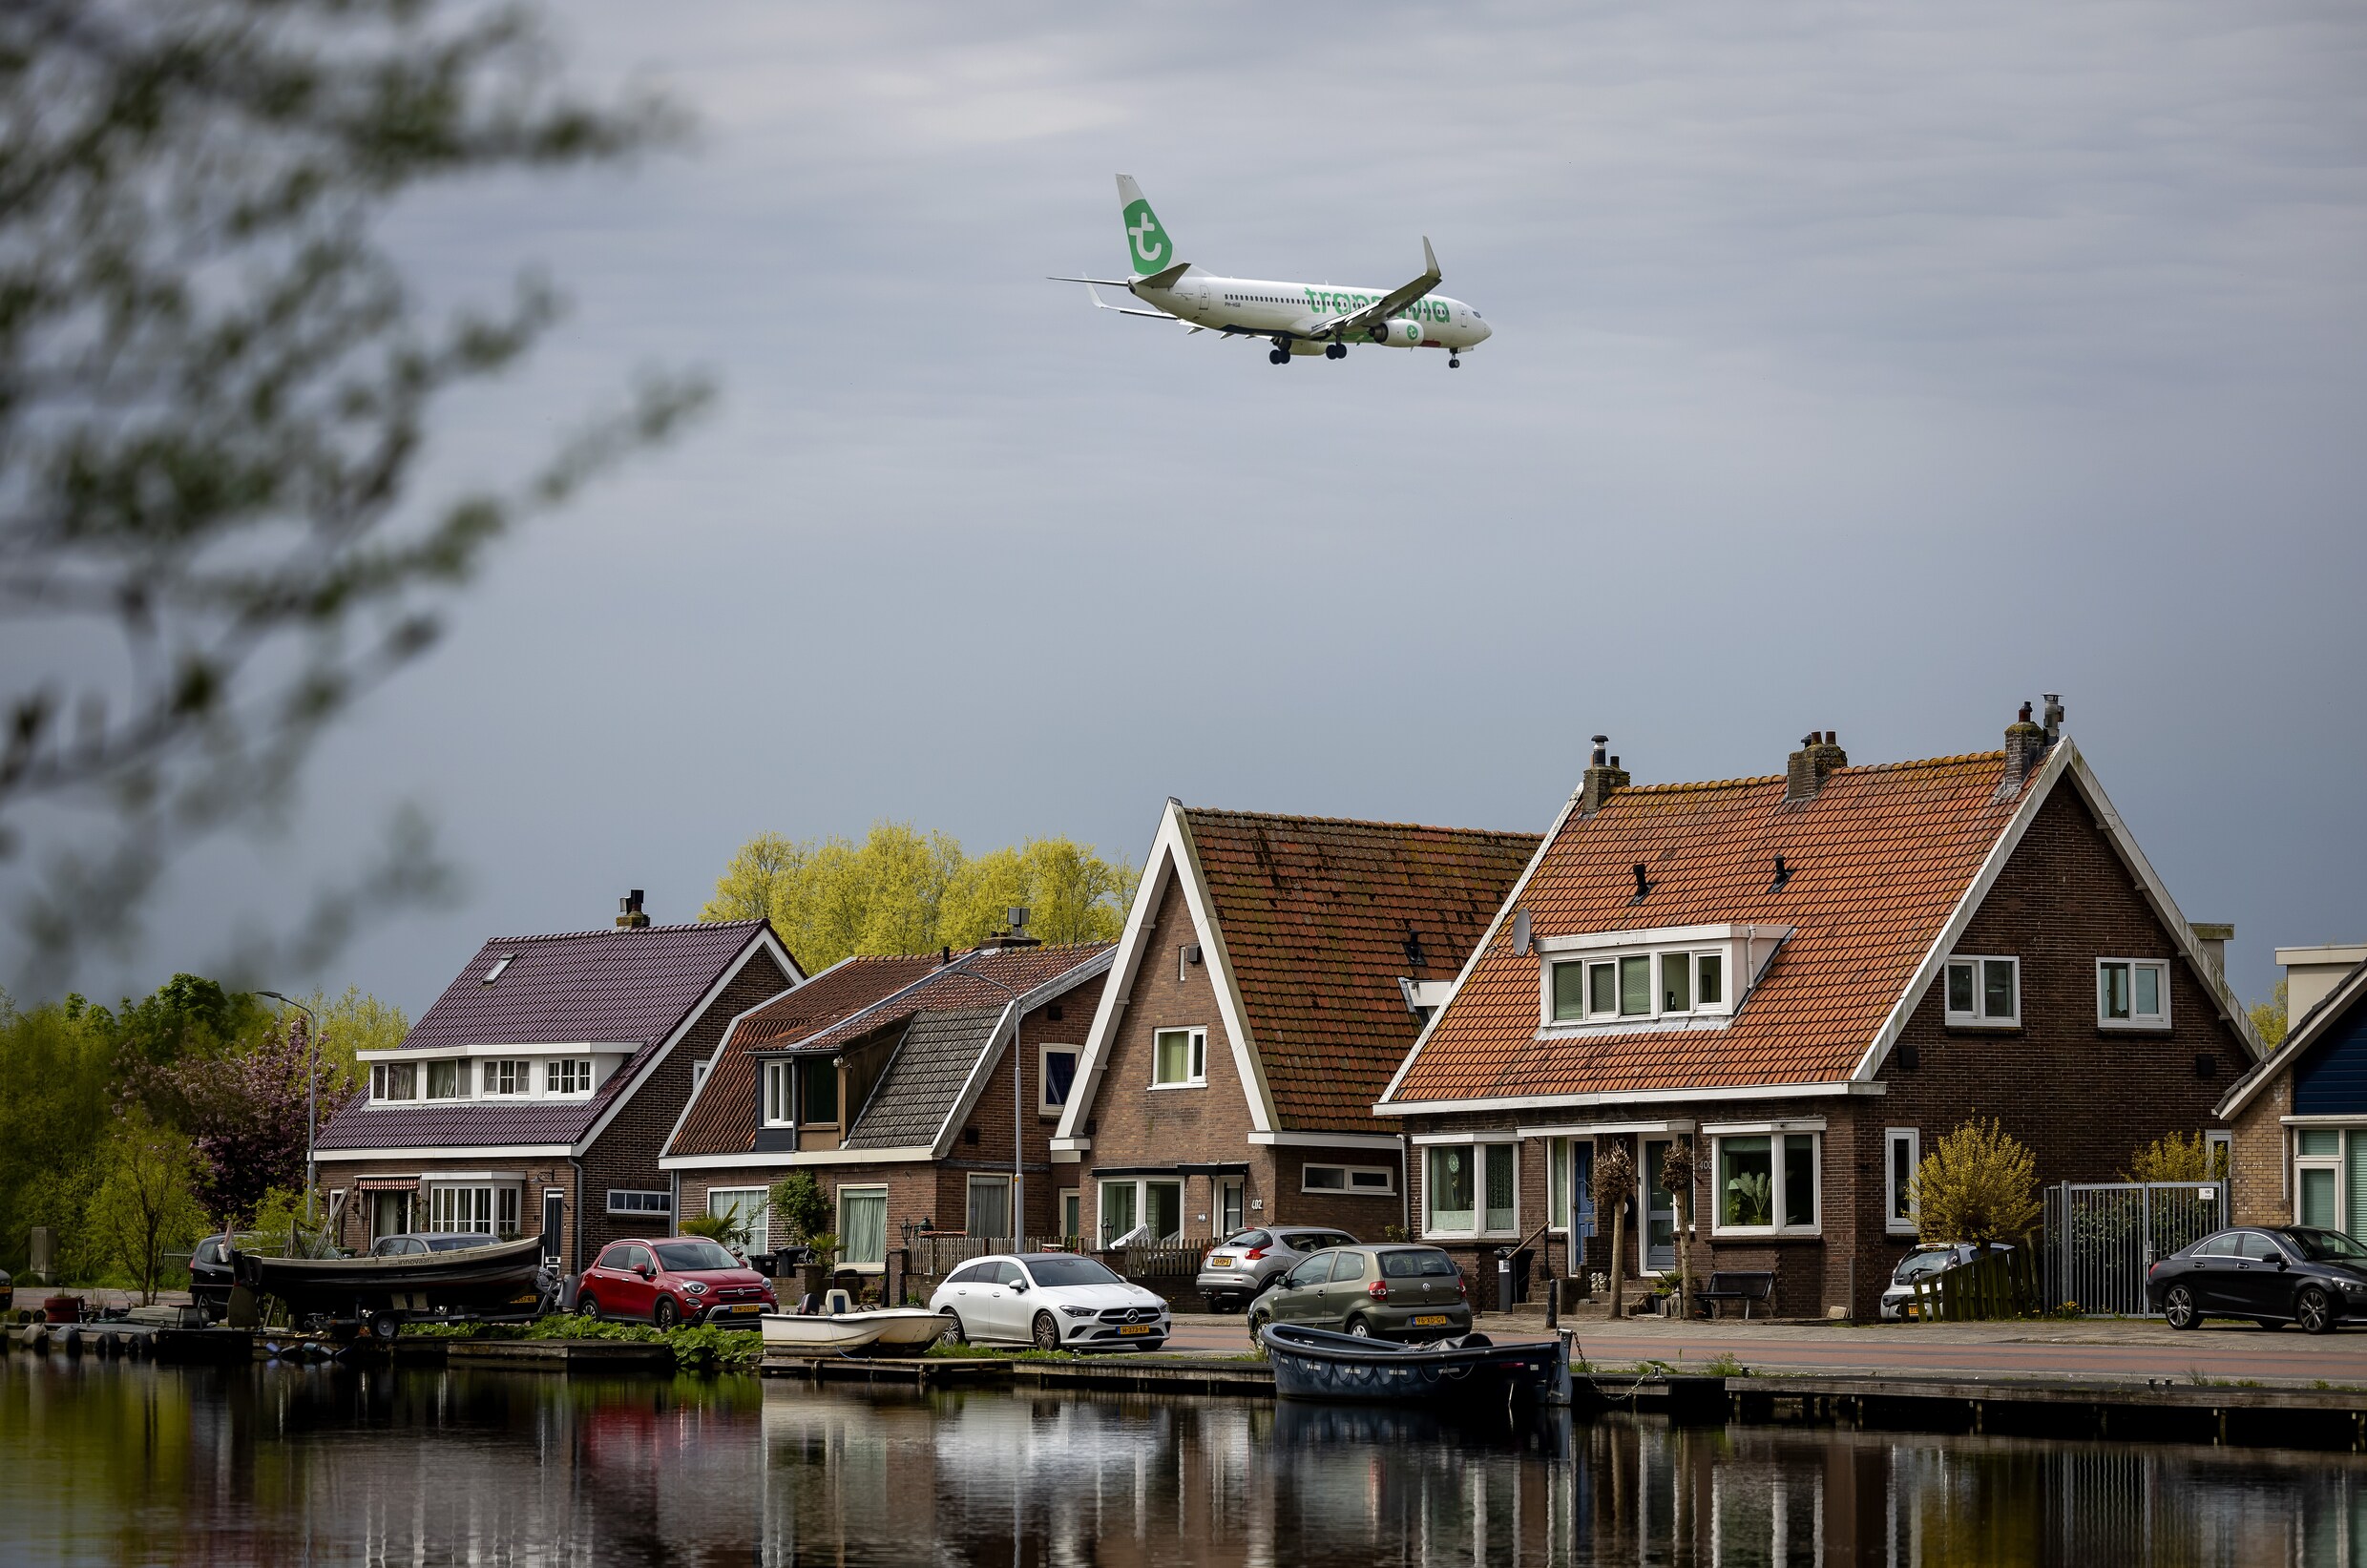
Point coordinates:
pixel 1387 306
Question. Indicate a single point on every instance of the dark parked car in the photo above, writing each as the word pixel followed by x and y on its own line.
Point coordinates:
pixel 2286 1274
pixel 1380 1292
pixel 209 1274
pixel 1238 1269
pixel 679 1279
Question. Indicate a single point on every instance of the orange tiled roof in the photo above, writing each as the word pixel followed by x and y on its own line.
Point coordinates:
pixel 1879 860
pixel 1315 911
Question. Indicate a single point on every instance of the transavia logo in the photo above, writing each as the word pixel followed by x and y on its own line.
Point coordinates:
pixel 1147 240
pixel 1414 333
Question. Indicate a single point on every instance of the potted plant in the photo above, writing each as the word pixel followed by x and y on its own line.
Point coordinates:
pixel 800 1208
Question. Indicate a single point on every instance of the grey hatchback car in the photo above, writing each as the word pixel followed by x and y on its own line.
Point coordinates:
pixel 1380 1292
pixel 1246 1263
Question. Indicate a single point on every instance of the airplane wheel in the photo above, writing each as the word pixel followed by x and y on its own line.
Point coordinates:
pixel 1335 350
pixel 1278 356
pixel 1455 364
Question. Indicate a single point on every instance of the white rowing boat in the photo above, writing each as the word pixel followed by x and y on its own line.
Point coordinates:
pixel 892 1331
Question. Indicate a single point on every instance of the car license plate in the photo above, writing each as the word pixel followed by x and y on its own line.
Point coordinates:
pixel 1220 1263
pixel 1431 1319
pixel 1134 1329
pixel 749 1306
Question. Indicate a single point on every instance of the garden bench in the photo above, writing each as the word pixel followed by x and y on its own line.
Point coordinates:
pixel 1743 1285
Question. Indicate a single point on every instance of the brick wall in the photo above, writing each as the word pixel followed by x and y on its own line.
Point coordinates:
pixel 536 1174
pixel 2259 1165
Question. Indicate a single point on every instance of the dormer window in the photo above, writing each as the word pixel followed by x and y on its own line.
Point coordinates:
pixel 570 1076
pixel 444 1078
pixel 1676 974
pixel 776 1091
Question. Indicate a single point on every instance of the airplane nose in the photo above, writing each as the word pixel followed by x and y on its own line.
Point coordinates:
pixel 1485 330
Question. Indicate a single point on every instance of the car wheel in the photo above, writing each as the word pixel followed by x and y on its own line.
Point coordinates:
pixel 954 1333
pixel 1359 1328
pixel 385 1326
pixel 665 1314
pixel 1259 1318
pixel 2178 1306
pixel 2314 1310
pixel 588 1308
pixel 1047 1335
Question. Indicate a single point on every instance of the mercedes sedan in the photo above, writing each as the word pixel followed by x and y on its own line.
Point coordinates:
pixel 1053 1301
pixel 2271 1275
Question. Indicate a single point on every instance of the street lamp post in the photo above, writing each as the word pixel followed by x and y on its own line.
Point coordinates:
pixel 1018 1124
pixel 312 1092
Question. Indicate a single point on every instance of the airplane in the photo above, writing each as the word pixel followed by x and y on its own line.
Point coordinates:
pixel 1293 318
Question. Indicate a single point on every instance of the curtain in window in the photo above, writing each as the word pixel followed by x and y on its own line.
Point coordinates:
pixel 1452 1187
pixel 1117 1210
pixel 1059 1076
pixel 990 1206
pixel 863 1224
pixel 1165 1203
pixel 1499 1186
pixel 751 1207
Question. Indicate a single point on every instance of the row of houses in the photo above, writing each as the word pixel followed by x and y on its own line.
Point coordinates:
pixel 1807 976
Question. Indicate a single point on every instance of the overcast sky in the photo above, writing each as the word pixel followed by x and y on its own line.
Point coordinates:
pixel 1855 366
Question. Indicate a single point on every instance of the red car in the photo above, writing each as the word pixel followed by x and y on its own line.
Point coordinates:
pixel 681 1279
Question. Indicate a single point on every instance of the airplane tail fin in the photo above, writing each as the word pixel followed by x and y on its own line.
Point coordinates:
pixel 1149 249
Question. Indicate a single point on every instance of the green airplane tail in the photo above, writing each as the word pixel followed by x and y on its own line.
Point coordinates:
pixel 1149 248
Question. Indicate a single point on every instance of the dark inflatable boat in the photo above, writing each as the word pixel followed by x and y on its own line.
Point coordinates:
pixel 1317 1364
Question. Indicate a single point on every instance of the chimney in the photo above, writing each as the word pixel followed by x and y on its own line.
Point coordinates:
pixel 2025 745
pixel 1604 775
pixel 1807 769
pixel 629 915
pixel 1016 917
pixel 2054 716
pixel 2215 940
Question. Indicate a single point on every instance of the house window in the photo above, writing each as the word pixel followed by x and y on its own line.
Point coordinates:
pixel 1709 979
pixel 2318 1178
pixel 1902 1156
pixel 391 1081
pixel 572 1077
pixel 990 1206
pixel 1154 1206
pixel 748 1209
pixel 444 1079
pixel 486 1210
pixel 637 1200
pixel 1569 993
pixel 862 1228
pixel 1612 987
pixel 1985 992
pixel 776 1080
pixel 2222 1146
pixel 2132 993
pixel 1056 1076
pixel 1228 1204
pixel 817 1090
pixel 1118 1210
pixel 1471 1189
pixel 1768 1183
pixel 506 1078
pixel 1379 1179
pixel 1676 982
pixel 1072 1214
pixel 1179 1058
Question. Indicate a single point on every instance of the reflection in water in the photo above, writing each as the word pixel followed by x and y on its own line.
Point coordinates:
pixel 108 1463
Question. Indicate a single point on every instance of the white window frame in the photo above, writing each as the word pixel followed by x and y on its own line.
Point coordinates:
pixel 642 1201
pixel 1045 1104
pixel 759 1212
pixel 1976 1018
pixel 1195 1058
pixel 969 1190
pixel 2223 1142
pixel 560 1073
pixel 1507 1148
pixel 521 1076
pixel 461 1076
pixel 2333 1162
pixel 1142 1185
pixel 2135 1019
pixel 1347 1188
pixel 1071 1199
pixel 775 1108
pixel 839 1204
pixel 1656 956
pixel 480 1207
pixel 1893 1200
pixel 386 1073
pixel 1776 1181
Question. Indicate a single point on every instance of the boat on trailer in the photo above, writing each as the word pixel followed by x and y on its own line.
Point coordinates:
pixel 502 1279
pixel 1318 1363
pixel 887 1331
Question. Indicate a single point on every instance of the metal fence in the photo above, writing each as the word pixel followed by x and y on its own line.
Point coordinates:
pixel 2102 1237
pixel 934 1255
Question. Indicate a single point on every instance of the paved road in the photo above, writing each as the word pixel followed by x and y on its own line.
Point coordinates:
pixel 2134 1350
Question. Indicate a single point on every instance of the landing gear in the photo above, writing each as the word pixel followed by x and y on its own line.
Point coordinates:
pixel 1335 350
pixel 1454 364
pixel 1278 355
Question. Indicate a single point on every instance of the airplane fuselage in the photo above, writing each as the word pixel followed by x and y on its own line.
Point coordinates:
pixel 1259 307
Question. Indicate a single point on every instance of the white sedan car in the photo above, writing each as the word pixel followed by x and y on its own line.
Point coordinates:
pixel 1053 1301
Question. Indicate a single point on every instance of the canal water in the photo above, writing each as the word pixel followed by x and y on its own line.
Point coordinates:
pixel 112 1462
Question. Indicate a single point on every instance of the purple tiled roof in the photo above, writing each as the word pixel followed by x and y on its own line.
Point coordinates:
pixel 601 987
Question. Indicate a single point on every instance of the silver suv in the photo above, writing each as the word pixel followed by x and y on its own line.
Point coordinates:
pixel 1245 1266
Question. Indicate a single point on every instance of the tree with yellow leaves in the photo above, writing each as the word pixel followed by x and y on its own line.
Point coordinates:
pixel 1978 1185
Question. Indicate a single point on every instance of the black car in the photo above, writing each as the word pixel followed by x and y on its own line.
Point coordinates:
pixel 2285 1274
pixel 209 1274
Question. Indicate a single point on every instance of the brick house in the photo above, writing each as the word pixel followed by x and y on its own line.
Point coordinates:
pixel 891 1079
pixel 536 1092
pixel 2300 1118
pixel 1810 977
pixel 1272 971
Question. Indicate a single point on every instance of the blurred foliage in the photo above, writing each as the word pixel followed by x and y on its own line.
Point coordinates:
pixel 2269 1021
pixel 902 890
pixel 216 388
pixel 143 1201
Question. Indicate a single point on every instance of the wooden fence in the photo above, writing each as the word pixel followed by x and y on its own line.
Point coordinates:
pixel 1998 1285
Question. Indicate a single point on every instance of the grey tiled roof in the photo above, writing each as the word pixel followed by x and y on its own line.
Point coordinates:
pixel 924 1080
pixel 611 987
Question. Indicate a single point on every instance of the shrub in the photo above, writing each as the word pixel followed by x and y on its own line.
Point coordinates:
pixel 799 1205
pixel 1978 1185
pixel 2175 1158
